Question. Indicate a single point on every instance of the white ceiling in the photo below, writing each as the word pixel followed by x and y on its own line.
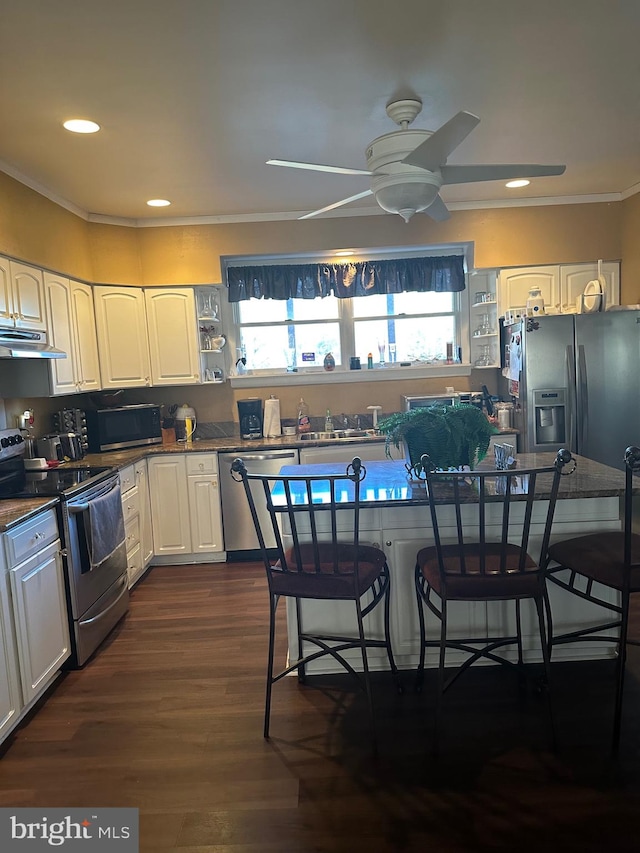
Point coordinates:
pixel 194 95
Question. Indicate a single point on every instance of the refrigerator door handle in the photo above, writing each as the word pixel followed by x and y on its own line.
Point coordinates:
pixel 571 400
pixel 583 410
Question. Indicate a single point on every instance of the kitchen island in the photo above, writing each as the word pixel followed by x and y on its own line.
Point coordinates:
pixel 395 517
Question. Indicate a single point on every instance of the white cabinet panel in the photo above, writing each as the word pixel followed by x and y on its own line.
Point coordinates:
pixel 514 286
pixel 122 337
pixel 169 505
pixel 173 339
pixel 574 279
pixel 10 694
pixel 28 297
pixel 41 618
pixel 86 339
pixel 205 514
pixel 64 378
pixel 146 530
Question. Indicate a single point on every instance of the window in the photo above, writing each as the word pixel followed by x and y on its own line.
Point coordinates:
pixel 298 333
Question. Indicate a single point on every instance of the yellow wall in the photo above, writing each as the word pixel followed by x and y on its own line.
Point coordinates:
pixel 36 230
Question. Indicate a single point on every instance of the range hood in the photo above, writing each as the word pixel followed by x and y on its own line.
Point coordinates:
pixel 25 343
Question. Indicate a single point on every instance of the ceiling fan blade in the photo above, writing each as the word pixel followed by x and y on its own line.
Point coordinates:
pixel 467 174
pixel 318 167
pixel 438 210
pixel 337 204
pixel 433 152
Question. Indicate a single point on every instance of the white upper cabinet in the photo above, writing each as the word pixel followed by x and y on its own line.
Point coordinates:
pixel 71 322
pixel 22 303
pixel 514 286
pixel 560 285
pixel 122 337
pixel 173 339
pixel 574 279
pixel 84 326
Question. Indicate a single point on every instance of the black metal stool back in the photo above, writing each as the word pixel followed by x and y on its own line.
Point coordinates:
pixel 585 565
pixel 315 522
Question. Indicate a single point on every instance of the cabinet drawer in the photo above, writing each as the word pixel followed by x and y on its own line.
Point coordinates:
pixel 202 463
pixel 31 537
pixel 132 533
pixel 127 478
pixel 131 503
pixel 134 565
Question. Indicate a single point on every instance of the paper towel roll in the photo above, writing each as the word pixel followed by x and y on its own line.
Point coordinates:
pixel 272 428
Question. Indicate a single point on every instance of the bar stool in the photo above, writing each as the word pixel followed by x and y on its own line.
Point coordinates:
pixel 610 559
pixel 486 519
pixel 325 561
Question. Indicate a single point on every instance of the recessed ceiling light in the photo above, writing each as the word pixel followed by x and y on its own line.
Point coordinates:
pixel 158 202
pixel 344 253
pixel 81 125
pixel 521 182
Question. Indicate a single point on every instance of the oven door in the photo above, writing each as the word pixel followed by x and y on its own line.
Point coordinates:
pixel 87 585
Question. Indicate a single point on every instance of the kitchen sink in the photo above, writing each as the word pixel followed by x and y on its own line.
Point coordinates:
pixel 337 434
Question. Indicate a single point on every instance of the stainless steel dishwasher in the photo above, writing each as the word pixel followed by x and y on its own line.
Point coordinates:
pixel 239 532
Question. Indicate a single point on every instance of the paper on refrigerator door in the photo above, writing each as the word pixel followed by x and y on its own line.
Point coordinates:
pixel 272 428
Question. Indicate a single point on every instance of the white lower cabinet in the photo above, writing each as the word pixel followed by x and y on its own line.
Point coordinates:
pixel 185 508
pixel 34 627
pixel 137 519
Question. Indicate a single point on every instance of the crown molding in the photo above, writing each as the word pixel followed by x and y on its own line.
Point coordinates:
pixel 284 216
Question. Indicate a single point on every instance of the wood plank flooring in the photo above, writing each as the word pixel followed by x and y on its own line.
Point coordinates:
pixel 168 718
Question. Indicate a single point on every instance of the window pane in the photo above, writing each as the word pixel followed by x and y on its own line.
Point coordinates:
pixel 262 311
pixel 313 309
pixel 424 339
pixel 402 303
pixel 272 348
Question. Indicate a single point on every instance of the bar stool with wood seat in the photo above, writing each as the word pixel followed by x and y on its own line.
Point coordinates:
pixel 318 517
pixel 610 559
pixel 482 522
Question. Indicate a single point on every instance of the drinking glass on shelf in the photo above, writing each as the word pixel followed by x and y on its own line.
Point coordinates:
pixel 485 356
pixel 392 352
pixel 381 350
pixel 207 305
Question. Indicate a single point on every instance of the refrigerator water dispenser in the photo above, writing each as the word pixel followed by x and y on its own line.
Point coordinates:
pixel 550 416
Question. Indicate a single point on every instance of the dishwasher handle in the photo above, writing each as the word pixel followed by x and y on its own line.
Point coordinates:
pixel 259 457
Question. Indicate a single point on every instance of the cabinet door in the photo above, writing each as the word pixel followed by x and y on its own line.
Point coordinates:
pixel 84 328
pixel 10 696
pixel 173 342
pixel 146 530
pixel 574 278
pixel 59 316
pixel 205 514
pixel 169 505
pixel 28 297
pixel 40 612
pixel 465 618
pixel 367 451
pixel 514 286
pixel 122 337
pixel 6 298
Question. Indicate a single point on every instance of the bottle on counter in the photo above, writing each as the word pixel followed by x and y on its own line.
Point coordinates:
pixel 370 361
pixel 328 423
pixel 329 361
pixel 304 424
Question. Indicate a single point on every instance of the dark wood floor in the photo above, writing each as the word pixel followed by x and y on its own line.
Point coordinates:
pixel 168 718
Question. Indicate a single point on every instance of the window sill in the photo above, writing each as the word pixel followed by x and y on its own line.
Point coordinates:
pixel 325 377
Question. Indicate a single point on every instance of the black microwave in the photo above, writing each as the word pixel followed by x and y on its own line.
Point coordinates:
pixel 125 426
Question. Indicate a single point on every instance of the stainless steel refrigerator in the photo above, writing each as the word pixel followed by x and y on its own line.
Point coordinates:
pixel 578 382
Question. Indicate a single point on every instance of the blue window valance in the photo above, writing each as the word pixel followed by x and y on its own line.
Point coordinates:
pixel 345 280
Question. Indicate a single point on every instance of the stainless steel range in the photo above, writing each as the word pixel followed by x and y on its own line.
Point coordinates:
pixel 95 564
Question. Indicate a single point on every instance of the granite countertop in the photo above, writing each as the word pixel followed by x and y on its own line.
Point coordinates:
pixel 591 479
pixel 387 483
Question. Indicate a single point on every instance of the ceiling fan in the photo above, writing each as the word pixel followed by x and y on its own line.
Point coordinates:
pixel 408 167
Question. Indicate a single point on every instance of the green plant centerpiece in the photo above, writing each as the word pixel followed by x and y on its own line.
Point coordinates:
pixel 454 437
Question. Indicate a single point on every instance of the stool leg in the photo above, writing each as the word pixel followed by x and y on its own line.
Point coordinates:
pixel 547 669
pixel 273 603
pixel 420 671
pixel 365 673
pixel 620 672
pixel 302 673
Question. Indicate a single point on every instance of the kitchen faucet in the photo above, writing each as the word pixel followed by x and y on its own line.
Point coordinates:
pixel 375 410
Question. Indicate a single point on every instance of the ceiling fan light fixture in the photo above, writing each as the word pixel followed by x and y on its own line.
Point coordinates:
pixel 406 197
pixel 519 182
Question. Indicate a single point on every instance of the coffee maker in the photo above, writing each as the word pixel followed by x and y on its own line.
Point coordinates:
pixel 250 414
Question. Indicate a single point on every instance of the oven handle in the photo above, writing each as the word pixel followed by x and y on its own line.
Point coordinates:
pixel 76 508
pixel 97 618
